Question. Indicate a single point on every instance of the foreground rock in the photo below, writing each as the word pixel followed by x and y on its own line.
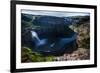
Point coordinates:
pixel 80 54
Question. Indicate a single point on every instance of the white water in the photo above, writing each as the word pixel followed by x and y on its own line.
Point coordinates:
pixel 35 36
pixel 36 39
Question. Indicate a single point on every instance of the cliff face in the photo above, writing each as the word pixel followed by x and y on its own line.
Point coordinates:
pixel 83 37
pixel 83 41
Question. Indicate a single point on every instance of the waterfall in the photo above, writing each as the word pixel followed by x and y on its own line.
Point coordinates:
pixel 36 39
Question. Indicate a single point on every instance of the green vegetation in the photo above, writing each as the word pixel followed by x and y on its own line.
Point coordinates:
pixel 28 55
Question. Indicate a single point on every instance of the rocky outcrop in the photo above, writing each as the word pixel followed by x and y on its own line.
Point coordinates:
pixel 80 54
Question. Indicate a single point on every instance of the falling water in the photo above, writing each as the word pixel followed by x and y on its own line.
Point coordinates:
pixel 35 36
pixel 36 39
